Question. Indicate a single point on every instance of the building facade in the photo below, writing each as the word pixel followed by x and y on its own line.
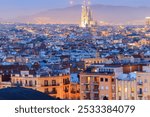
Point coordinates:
pixel 55 86
pixel 143 85
pixel 97 86
pixel 126 88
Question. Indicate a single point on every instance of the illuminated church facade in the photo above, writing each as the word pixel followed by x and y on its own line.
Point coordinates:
pixel 86 16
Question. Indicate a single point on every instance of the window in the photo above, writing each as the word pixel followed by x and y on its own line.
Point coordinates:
pixel 53 82
pixel 140 81
pixel 46 90
pixel 87 87
pixel 132 90
pixel 126 90
pixel 102 79
pixel 53 89
pixel 30 83
pixel 26 83
pixel 95 79
pixel 45 82
pixel 21 83
pixel 96 87
pixel 106 79
pixel 89 80
pixel 113 80
pixel 119 89
pixel 35 82
pixel 102 87
pixel 107 87
pixel 145 81
pixel 96 96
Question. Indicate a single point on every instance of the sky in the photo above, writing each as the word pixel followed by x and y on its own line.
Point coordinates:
pixel 13 8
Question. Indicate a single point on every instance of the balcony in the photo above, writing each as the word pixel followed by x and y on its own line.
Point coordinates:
pixel 96 90
pixel 47 85
pixel 86 83
pixel 140 83
pixel 30 85
pixel 87 90
pixel 95 83
pixel 66 82
pixel 55 85
pixel 140 94
pixel 53 92
pixel 66 90
pixel 73 91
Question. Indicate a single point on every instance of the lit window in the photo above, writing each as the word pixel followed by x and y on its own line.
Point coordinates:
pixel 132 90
pixel 119 89
pixel 102 87
pixel 107 88
pixel 89 80
pixel 126 89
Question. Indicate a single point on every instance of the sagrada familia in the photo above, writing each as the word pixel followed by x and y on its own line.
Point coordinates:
pixel 86 17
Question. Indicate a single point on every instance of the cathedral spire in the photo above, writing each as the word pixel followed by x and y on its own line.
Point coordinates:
pixel 86 17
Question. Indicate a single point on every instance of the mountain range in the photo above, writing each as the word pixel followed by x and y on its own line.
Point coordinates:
pixel 101 13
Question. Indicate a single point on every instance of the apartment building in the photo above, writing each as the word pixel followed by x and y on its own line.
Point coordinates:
pixel 143 85
pixel 126 88
pixel 58 86
pixel 96 85
pixel 133 86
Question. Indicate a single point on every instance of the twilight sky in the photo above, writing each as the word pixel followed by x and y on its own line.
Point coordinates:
pixel 13 8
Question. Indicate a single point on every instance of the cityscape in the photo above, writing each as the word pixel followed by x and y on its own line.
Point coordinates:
pixel 91 60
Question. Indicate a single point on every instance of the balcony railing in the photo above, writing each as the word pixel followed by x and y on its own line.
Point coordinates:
pixel 140 94
pixel 73 92
pixel 140 83
pixel 53 92
pixel 30 85
pixel 96 90
pixel 95 83
pixel 50 85
pixel 87 89
pixel 66 90
pixel 55 85
pixel 66 82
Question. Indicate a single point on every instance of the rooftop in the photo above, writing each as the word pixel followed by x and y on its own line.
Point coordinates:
pixel 18 93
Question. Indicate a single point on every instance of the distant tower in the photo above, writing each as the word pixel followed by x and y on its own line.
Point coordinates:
pixel 86 17
pixel 147 21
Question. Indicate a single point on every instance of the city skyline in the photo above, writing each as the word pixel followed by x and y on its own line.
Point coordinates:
pixel 82 52
pixel 14 8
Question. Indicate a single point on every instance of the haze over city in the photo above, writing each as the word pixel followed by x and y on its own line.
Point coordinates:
pixel 29 10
